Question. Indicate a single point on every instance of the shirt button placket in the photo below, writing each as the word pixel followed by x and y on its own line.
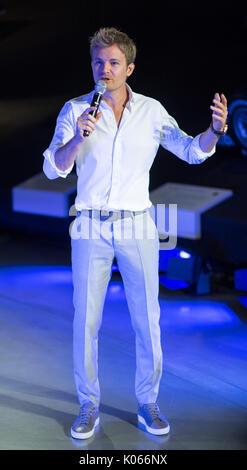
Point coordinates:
pixel 115 183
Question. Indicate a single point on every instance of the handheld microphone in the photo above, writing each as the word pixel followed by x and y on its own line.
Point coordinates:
pixel 99 90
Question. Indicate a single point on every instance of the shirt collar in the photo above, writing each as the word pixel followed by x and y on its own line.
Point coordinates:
pixel 131 99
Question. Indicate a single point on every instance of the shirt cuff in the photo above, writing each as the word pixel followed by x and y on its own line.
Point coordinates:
pixel 49 156
pixel 198 151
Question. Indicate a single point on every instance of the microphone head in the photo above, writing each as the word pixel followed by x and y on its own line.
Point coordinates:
pixel 100 87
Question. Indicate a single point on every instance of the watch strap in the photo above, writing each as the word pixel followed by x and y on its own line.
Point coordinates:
pixel 219 132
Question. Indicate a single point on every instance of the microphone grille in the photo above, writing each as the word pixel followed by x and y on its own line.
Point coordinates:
pixel 100 87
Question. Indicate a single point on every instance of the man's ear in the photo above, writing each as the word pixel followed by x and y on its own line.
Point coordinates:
pixel 130 69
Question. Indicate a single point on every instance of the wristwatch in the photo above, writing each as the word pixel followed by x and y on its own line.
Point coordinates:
pixel 219 132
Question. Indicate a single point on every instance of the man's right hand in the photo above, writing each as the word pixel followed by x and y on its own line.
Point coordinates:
pixel 65 155
pixel 86 122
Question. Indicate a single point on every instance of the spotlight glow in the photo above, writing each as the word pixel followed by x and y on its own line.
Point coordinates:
pixel 184 254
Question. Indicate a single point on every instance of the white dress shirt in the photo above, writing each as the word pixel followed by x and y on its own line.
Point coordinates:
pixel 113 163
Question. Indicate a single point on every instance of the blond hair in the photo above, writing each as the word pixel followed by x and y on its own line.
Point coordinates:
pixel 106 37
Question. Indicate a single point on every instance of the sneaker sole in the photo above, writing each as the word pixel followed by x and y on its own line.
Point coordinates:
pixel 157 432
pixel 84 435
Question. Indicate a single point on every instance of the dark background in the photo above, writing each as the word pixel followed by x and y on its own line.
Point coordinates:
pixel 185 52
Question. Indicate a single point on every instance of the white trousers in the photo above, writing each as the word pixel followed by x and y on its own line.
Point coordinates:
pixel 135 244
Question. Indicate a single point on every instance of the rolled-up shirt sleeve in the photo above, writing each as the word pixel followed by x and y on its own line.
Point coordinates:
pixel 182 145
pixel 64 131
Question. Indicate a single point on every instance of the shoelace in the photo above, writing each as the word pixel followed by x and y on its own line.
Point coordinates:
pixel 85 414
pixel 154 411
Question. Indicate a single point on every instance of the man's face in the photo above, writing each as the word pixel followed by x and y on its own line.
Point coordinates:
pixel 109 64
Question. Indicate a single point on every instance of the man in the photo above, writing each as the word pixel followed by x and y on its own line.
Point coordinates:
pixel 113 165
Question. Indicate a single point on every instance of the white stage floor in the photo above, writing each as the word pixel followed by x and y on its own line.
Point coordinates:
pixel 203 390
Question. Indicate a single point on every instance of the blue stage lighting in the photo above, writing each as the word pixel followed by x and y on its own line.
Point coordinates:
pixel 184 254
pixel 114 267
pixel 238 122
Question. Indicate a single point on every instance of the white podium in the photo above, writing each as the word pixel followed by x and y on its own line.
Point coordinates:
pixel 39 195
pixel 191 201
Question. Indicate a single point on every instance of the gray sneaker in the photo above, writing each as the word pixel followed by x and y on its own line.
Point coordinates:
pixel 86 422
pixel 149 415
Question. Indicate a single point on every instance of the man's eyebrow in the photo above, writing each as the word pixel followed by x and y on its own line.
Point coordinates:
pixel 112 58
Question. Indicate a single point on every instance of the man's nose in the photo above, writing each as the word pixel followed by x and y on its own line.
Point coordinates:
pixel 107 67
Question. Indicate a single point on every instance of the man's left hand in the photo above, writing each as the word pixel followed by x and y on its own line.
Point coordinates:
pixel 220 112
